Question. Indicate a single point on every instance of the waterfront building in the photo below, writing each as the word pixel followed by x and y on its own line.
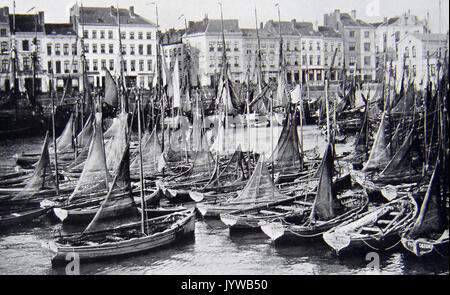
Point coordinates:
pixel 359 43
pixel 98 27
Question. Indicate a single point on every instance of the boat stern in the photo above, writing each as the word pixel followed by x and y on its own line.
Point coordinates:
pixel 336 240
pixel 274 230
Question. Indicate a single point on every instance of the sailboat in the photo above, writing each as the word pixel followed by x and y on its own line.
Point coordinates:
pixel 326 211
pixel 429 232
pixel 259 190
pixel 102 240
pixel 95 179
pixel 24 205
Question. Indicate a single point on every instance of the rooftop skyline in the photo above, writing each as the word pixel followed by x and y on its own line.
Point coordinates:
pixel 170 12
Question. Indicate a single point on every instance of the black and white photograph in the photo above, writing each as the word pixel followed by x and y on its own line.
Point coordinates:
pixel 224 137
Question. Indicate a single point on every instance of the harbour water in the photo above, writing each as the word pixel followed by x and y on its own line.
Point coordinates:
pixel 212 250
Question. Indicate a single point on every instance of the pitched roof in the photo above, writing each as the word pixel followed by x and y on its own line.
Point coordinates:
pixel 347 20
pixel 59 29
pixel 442 38
pixel 306 29
pixel 329 32
pixel 25 23
pixel 261 32
pixel 287 28
pixel 108 16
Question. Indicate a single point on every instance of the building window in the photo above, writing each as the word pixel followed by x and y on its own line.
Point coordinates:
pixel 304 59
pixel 3 32
pixel 211 46
pixel 310 46
pixel 103 64
pixel 131 35
pixel 141 65
pixel 49 49
pixel 367 60
pixel 325 47
pixel 352 61
pixel 397 36
pixel 122 35
pixel 86 34
pixel 66 49
pixel 352 47
pixel 49 67
pixel 414 53
pixel 95 65
pixel 58 67
pixel 57 49
pixel 414 70
pixel 110 34
pixel 366 34
pixel 149 65
pixel 5 65
pixel 311 60
pixel 86 48
pixel 25 45
pixel 318 46
pixel 319 75
pixel 406 52
pixel 318 60
pixel 132 49
pixel 75 67
pixel 102 48
pixel 367 47
pixel 124 50
pixel 351 34
pixel 102 34
pixel 149 35
pixel 94 34
pixel 87 64
pixel 149 49
pixel 111 64
pixel 124 65
pixel 141 49
pixel 140 36
pixel 74 49
pixel 94 48
pixel 66 67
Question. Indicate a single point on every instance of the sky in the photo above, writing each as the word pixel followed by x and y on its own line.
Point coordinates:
pixel 171 12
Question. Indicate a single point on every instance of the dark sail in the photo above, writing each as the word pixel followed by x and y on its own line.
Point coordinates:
pixel 111 97
pixel 326 205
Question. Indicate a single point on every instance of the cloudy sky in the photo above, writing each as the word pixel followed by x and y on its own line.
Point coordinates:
pixel 306 10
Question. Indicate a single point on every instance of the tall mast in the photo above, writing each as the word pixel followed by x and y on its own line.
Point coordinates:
pixel 54 137
pixel 258 55
pixel 123 100
pixel 141 169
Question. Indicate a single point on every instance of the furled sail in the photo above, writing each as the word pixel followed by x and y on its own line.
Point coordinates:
pixel 326 205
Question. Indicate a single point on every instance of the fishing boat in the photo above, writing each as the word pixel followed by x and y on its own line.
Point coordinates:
pixel 326 212
pixel 259 190
pixel 125 239
pixel 377 229
pixel 24 205
pixel 429 233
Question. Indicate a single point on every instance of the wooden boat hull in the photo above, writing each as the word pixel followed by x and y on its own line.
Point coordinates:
pixel 21 217
pixel 176 231
pixel 424 247
pixel 367 231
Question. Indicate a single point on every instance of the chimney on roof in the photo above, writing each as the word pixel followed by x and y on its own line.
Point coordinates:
pixel 337 14
pixel 131 9
pixel 41 19
pixel 261 25
pixel 353 14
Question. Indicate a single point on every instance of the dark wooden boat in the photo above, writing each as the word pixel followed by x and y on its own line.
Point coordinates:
pixel 326 212
pixel 429 233
pixel 125 239
pixel 377 229
pixel 22 216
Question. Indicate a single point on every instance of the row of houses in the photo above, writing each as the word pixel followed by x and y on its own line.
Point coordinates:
pixel 403 43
